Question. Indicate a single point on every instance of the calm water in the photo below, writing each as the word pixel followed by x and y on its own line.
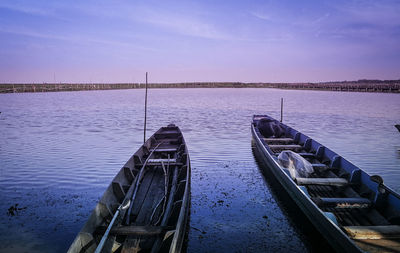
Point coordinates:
pixel 59 151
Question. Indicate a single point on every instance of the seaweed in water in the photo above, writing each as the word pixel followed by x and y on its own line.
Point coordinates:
pixel 13 210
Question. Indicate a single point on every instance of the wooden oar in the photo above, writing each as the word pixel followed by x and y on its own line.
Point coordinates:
pixel 105 236
pixel 125 204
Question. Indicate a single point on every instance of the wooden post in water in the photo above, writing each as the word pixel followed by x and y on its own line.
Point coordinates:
pixel 145 113
pixel 281 109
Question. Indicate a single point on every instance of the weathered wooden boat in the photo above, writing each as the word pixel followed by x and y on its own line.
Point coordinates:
pixel 146 206
pixel 354 211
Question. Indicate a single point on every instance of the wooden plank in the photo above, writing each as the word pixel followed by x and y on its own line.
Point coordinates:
pixel 373 232
pixel 148 195
pixel 164 150
pixel 286 147
pixel 319 166
pixel 343 202
pixel 152 197
pixel 379 246
pixel 159 164
pixel 141 194
pixel 278 140
pixel 322 181
pixel 165 161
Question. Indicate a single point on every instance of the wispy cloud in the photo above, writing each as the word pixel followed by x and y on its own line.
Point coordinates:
pixel 374 12
pixel 363 21
pixel 321 18
pixel 76 39
pixel 184 25
pixel 261 15
pixel 27 9
pixel 172 20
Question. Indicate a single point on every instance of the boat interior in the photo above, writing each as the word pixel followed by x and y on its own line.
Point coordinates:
pixel 150 188
pixel 361 205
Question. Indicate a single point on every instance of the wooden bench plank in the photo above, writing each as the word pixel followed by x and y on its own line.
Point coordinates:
pixel 342 202
pixel 286 147
pixel 319 166
pixel 379 246
pixel 373 232
pixel 161 160
pixel 163 150
pixel 279 140
pixel 159 164
pixel 322 181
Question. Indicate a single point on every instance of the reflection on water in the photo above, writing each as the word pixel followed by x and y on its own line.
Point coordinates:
pixel 59 151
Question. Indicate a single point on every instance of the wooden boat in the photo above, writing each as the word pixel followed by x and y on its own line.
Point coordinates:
pixel 354 211
pixel 146 206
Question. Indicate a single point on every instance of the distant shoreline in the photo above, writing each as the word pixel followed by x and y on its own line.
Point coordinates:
pixel 387 86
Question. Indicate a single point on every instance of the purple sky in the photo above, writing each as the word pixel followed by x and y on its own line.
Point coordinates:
pixel 183 41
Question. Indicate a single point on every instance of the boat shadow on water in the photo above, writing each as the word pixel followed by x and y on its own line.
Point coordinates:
pixel 309 235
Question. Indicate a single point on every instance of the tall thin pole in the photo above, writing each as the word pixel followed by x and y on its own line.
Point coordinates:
pixel 145 113
pixel 281 109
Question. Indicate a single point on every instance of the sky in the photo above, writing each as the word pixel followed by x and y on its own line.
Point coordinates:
pixel 198 41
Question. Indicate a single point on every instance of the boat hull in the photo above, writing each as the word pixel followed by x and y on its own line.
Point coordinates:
pixel 330 231
pixel 166 142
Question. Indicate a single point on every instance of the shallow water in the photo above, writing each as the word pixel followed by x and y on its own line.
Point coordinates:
pixel 59 151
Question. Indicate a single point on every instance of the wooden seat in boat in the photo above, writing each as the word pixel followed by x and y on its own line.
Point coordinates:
pixel 319 166
pixel 163 150
pixel 373 232
pixel 322 181
pixel 342 202
pixel 278 140
pixel 286 147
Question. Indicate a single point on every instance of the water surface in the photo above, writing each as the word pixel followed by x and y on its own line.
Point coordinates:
pixel 59 152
